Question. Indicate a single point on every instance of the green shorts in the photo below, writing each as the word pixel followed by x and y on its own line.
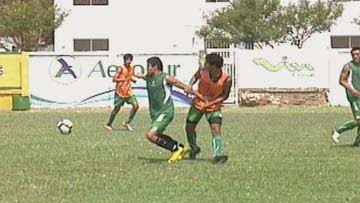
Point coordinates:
pixel 160 123
pixel 120 101
pixel 195 115
pixel 355 108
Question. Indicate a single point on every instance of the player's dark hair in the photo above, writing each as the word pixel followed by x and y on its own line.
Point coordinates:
pixel 128 56
pixel 214 59
pixel 155 61
pixel 354 49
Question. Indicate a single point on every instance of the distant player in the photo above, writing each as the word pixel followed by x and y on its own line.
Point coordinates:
pixel 123 93
pixel 161 107
pixel 214 85
pixel 353 95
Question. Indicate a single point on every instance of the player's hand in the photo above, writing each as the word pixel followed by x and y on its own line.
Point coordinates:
pixel 189 90
pixel 355 93
pixel 140 75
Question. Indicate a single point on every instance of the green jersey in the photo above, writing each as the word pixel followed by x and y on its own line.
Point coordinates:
pixel 159 94
pixel 355 80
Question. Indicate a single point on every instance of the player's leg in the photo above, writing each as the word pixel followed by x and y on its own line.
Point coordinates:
pixel 357 139
pixel 156 136
pixel 356 112
pixel 135 107
pixel 347 125
pixel 215 122
pixel 192 119
pixel 118 103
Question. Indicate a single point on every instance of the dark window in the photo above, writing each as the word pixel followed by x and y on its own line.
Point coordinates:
pixel 100 2
pixel 81 2
pixel 340 41
pixel 82 45
pixel 100 45
pixel 217 0
pixel 91 44
pixel 355 41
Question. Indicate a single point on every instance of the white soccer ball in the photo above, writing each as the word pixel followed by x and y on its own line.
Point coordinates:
pixel 65 126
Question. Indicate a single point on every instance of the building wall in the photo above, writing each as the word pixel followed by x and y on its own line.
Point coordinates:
pixel 136 26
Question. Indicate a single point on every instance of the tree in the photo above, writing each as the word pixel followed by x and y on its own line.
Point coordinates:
pixel 267 22
pixel 247 21
pixel 29 22
pixel 306 19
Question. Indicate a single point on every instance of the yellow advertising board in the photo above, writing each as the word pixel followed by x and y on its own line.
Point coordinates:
pixel 14 78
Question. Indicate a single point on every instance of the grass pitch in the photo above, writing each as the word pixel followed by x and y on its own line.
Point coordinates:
pixel 275 155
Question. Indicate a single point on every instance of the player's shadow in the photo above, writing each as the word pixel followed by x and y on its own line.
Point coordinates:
pixel 345 146
pixel 119 129
pixel 162 160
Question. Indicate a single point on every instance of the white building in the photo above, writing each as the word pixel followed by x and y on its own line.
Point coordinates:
pixel 136 26
pixel 164 26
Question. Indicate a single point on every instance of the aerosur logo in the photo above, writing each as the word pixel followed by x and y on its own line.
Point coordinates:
pixel 65 70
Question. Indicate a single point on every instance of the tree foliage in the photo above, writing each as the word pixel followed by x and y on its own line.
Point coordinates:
pixel 266 21
pixel 306 19
pixel 29 22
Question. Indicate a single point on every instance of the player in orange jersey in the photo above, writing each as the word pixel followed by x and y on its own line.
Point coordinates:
pixel 214 85
pixel 123 93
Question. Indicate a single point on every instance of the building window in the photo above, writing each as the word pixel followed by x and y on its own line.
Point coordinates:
pixel 91 45
pixel 355 41
pixel 343 42
pixel 100 44
pixel 217 0
pixel 81 2
pixel 91 2
pixel 100 2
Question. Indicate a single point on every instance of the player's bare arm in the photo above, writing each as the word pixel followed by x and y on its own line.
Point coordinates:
pixel 344 76
pixel 140 76
pixel 225 93
pixel 173 81
pixel 195 77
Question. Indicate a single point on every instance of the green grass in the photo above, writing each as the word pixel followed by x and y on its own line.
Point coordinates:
pixel 276 155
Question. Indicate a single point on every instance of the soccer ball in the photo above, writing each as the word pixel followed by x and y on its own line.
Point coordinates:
pixel 65 126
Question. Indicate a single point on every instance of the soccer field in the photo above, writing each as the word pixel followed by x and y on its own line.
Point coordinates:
pixel 275 155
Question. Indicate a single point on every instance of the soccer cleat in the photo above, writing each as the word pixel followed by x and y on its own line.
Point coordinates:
pixel 107 127
pixel 220 159
pixel 177 155
pixel 335 136
pixel 193 152
pixel 184 152
pixel 127 126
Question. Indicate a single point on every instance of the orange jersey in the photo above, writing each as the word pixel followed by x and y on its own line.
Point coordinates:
pixel 123 89
pixel 210 90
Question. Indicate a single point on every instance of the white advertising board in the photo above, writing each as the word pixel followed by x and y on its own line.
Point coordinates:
pixel 86 80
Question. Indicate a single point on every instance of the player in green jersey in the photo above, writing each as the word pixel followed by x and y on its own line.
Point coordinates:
pixel 161 107
pixel 353 95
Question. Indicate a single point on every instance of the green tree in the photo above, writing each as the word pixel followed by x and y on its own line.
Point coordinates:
pixel 248 21
pixel 267 22
pixel 28 22
pixel 306 19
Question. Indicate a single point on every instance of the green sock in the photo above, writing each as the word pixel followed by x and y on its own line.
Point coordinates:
pixel 346 126
pixel 112 116
pixel 357 139
pixel 191 137
pixel 218 146
pixel 131 116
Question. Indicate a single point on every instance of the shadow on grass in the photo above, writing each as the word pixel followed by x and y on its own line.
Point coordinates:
pixel 162 160
pixel 345 146
pixel 117 130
